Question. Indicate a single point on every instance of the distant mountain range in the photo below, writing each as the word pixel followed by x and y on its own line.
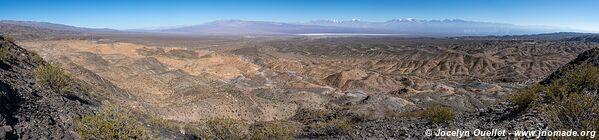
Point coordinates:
pixel 54 26
pixel 35 30
pixel 408 27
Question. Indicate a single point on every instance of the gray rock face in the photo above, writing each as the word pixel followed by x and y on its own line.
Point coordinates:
pixel 28 111
pixel 353 97
pixel 398 104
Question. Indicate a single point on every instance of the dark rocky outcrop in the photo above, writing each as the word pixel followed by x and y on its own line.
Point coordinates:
pixel 29 111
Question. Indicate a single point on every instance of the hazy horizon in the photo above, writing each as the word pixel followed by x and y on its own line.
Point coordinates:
pixel 295 22
pixel 135 14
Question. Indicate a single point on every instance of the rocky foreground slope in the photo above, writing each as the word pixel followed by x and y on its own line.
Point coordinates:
pixel 31 111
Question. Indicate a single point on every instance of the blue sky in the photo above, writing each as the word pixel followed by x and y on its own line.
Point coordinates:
pixel 127 14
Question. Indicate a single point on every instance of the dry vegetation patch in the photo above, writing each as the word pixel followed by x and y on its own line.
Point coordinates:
pixel 525 96
pixel 55 78
pixel 438 114
pixel 225 128
pixel 4 53
pixel 574 103
pixel 276 130
pixel 572 100
pixel 112 122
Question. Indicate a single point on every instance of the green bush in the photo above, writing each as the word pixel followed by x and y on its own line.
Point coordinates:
pixel 334 126
pixel 226 129
pixel 273 131
pixel 37 58
pixel 575 79
pixel 55 78
pixel 158 121
pixel 366 114
pixel 326 122
pixel 4 53
pixel 577 112
pixel 8 38
pixel 523 97
pixel 573 104
pixel 112 122
pixel 438 114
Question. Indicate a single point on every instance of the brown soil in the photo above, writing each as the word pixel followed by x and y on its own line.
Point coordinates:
pixel 271 79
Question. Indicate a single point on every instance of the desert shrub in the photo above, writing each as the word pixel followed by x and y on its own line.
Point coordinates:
pixel 574 103
pixel 438 114
pixel 523 97
pixel 193 129
pixel 224 128
pixel 326 122
pixel 37 58
pixel 55 78
pixel 365 115
pixel 157 121
pixel 9 38
pixel 4 53
pixel 308 116
pixel 577 112
pixel 575 79
pixel 112 122
pixel 273 131
pixel 391 113
pixel 334 126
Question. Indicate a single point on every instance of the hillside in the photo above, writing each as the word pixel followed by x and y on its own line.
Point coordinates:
pixel 29 32
pixel 26 30
pixel 54 26
pixel 587 38
pixel 30 110
pixel 540 111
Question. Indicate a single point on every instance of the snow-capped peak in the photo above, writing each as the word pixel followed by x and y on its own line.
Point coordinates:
pixel 404 20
